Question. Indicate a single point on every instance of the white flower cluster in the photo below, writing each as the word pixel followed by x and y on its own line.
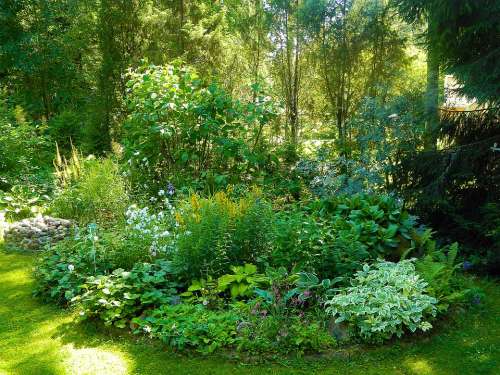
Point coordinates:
pixel 152 227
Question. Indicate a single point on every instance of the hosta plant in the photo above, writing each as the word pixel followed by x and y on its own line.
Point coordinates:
pixel 243 281
pixel 384 300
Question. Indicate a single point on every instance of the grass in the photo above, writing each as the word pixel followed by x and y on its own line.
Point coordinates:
pixel 37 338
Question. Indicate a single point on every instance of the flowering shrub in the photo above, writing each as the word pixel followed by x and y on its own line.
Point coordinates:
pixel 156 230
pixel 384 300
pixel 180 128
pixel 117 298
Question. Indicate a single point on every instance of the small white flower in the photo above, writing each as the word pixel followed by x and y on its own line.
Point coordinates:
pixel 71 267
pixel 147 329
pixel 95 238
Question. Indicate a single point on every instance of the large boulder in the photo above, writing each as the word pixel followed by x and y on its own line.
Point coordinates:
pixel 34 233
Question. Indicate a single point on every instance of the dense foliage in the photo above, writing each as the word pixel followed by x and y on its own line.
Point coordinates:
pixel 179 126
pixel 90 191
pixel 262 176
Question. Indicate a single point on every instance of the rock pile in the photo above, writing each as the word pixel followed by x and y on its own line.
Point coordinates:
pixel 34 233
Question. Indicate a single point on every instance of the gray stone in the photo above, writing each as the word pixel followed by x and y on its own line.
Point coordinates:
pixel 35 233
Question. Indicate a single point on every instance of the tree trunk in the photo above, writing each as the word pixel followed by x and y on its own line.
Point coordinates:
pixel 432 90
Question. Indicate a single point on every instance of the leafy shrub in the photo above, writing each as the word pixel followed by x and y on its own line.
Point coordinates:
pixel 335 237
pixel 365 227
pixel 191 326
pixel 62 269
pixel 180 128
pixel 270 334
pixel 384 300
pixel 379 221
pixel 90 191
pixel 438 270
pixel 23 201
pixel 117 298
pixel 217 232
pixel 23 147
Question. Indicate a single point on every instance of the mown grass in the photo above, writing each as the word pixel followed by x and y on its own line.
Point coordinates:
pixel 38 338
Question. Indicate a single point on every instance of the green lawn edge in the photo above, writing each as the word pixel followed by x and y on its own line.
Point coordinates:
pixel 38 338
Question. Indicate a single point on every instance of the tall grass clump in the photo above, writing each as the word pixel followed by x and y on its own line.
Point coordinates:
pixel 89 190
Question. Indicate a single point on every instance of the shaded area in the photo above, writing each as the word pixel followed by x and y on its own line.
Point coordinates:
pixel 36 338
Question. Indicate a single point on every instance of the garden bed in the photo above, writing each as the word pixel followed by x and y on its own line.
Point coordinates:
pixel 41 339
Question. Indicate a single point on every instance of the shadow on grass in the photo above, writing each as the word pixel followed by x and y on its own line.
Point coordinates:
pixel 37 338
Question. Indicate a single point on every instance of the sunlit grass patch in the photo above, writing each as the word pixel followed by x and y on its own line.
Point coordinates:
pixel 87 361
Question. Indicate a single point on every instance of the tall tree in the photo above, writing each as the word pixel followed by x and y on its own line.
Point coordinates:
pixel 418 11
pixel 359 51
pixel 288 41
pixel 38 58
pixel 119 28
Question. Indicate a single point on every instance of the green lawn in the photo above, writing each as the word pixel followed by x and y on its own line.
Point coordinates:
pixel 37 338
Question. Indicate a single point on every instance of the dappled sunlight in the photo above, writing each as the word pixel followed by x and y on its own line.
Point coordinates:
pixel 419 366
pixel 96 361
pixel 15 277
